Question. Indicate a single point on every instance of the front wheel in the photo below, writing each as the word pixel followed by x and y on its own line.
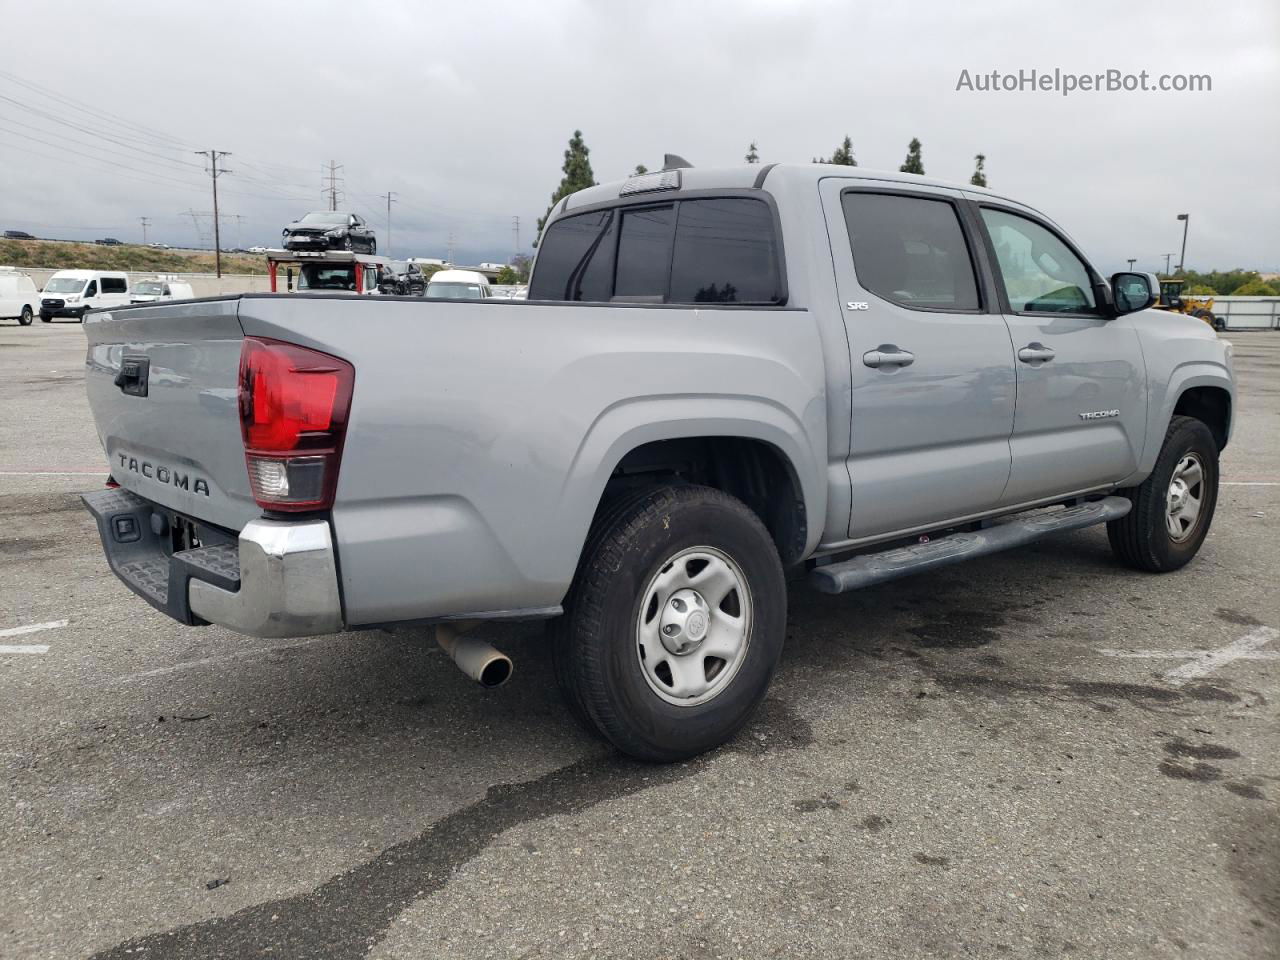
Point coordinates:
pixel 1173 507
pixel 25 317
pixel 674 624
pixel 46 318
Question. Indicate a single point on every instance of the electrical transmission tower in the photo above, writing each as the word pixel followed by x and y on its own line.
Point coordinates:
pixel 214 156
pixel 515 229
pixel 331 184
pixel 146 222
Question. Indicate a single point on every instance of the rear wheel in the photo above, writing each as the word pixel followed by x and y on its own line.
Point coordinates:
pixel 674 624
pixel 1173 507
pixel 25 317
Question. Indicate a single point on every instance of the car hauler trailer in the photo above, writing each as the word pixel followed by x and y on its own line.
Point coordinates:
pixel 324 271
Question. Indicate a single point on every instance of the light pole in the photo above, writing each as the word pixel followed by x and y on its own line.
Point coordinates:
pixel 1132 261
pixel 1167 258
pixel 1186 223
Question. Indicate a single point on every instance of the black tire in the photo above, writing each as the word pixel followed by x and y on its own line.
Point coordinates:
pixel 1141 539
pixel 596 656
pixel 45 319
pixel 25 318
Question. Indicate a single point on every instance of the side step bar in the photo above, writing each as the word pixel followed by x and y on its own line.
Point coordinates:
pixel 872 568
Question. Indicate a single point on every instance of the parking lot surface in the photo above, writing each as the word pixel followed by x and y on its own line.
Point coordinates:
pixel 1023 756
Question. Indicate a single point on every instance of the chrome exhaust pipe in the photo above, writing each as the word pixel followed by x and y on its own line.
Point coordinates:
pixel 478 660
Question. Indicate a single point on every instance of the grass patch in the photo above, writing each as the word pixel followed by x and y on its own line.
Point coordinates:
pixel 132 257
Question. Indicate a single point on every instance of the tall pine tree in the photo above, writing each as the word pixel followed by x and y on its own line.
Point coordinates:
pixel 843 155
pixel 752 156
pixel 979 178
pixel 577 175
pixel 913 163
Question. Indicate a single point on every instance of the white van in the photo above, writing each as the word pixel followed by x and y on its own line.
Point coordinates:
pixel 69 293
pixel 19 297
pixel 458 285
pixel 155 289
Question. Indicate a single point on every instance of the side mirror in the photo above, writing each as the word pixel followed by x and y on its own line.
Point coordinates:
pixel 1131 292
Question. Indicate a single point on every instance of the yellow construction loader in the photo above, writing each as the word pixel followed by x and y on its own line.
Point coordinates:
pixel 1171 299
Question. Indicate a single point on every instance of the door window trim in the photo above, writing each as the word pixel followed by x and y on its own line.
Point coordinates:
pixel 977 254
pixel 1095 278
pixel 673 198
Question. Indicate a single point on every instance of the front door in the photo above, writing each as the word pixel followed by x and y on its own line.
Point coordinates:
pixel 1082 404
pixel 932 367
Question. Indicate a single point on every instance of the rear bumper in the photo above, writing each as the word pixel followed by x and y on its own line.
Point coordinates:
pixel 279 579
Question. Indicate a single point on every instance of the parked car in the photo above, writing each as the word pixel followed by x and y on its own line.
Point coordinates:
pixel 721 378
pixel 153 291
pixel 17 235
pixel 19 297
pixel 327 230
pixel 158 246
pixel 458 285
pixel 109 242
pixel 401 278
pixel 72 293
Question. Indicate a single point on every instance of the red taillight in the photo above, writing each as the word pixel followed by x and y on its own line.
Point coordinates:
pixel 293 417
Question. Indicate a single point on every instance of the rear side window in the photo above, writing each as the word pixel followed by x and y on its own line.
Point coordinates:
pixel 114 285
pixel 724 253
pixel 911 251
pixel 703 250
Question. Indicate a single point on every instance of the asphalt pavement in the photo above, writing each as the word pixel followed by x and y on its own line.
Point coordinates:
pixel 1028 755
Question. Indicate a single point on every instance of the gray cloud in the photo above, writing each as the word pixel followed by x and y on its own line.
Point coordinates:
pixel 464 110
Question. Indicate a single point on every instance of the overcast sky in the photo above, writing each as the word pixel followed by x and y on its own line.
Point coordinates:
pixel 464 110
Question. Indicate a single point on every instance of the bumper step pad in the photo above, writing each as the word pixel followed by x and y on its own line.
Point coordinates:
pixel 862 571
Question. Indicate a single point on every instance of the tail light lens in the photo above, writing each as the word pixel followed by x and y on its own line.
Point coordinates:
pixel 293 417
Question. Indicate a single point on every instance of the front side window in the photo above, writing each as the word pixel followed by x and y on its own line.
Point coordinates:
pixel 911 251
pixel 92 289
pixel 1040 273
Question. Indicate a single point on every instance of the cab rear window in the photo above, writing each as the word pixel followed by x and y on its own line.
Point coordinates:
pixel 702 250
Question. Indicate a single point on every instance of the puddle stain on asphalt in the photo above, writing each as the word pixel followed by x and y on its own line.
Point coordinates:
pixel 344 916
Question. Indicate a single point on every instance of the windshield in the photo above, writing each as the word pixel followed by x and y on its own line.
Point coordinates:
pixel 315 276
pixel 149 287
pixel 64 285
pixel 454 291
pixel 325 219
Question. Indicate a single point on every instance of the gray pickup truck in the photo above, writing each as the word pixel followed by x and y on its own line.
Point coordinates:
pixel 721 379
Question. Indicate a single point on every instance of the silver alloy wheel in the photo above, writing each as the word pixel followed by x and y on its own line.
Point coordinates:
pixel 1184 498
pixel 694 626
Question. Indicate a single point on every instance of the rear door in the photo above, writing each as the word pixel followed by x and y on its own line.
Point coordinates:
pixel 1082 409
pixel 162 383
pixel 932 367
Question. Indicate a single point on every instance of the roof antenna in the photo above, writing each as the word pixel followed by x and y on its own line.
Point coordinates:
pixel 673 161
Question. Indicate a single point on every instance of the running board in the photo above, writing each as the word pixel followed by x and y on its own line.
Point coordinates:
pixel 872 568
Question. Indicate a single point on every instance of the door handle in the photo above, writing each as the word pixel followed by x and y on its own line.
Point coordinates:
pixel 1035 352
pixel 888 355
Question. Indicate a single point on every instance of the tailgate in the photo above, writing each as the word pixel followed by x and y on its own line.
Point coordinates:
pixel 162 383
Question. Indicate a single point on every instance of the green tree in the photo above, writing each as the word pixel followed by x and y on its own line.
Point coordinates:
pixel 843 155
pixel 577 175
pixel 640 170
pixel 752 155
pixel 1200 290
pixel 1226 282
pixel 507 276
pixel 1254 288
pixel 979 178
pixel 913 163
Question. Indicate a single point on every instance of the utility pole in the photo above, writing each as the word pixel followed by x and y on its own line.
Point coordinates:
pixel 515 228
pixel 1166 263
pixel 214 156
pixel 1132 261
pixel 390 197
pixel 1182 258
pixel 333 180
pixel 146 222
